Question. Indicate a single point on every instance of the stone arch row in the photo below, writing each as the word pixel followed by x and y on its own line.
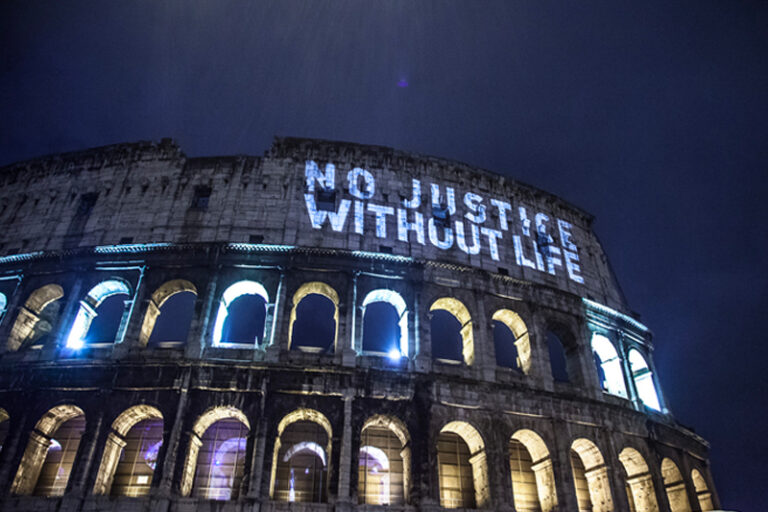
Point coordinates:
pixel 219 441
pixel 624 372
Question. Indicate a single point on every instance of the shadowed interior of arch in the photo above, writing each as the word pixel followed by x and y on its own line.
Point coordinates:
pixel 109 314
pixel 245 321
pixel 381 332
pixel 175 319
pixel 445 331
pixel 504 344
pixel 315 324
pixel 557 359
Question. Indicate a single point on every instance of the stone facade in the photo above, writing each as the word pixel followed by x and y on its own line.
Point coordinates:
pixel 153 222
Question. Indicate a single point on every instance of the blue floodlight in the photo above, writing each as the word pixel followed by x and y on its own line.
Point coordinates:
pixel 394 354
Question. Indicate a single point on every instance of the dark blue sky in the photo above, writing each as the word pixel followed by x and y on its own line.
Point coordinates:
pixel 650 115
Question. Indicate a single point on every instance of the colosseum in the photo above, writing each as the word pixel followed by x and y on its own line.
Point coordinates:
pixel 330 326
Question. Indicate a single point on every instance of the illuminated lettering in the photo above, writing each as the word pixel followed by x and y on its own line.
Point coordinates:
pixel 520 255
pixel 447 241
pixel 317 217
pixel 353 177
pixel 524 221
pixel 403 226
pixel 574 270
pixel 565 235
pixel 359 211
pixel 502 208
pixel 415 201
pixel 462 242
pixel 327 179
pixel 438 203
pixel 381 218
pixel 476 207
pixel 493 237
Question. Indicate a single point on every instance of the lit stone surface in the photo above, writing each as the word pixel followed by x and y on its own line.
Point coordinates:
pixel 356 225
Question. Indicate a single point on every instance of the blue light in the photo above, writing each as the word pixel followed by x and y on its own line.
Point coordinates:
pixel 394 354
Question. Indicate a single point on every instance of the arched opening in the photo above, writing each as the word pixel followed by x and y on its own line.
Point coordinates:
pixel 703 495
pixel 385 460
pixel 130 453
pixel 511 341
pixel 3 306
pixel 36 318
pixel 641 495
pixel 451 332
pixel 169 314
pixel 533 478
pixel 50 454
pixel 590 477
pixel 216 457
pixel 5 424
pixel 674 487
pixel 385 324
pixel 557 359
pixel 101 315
pixel 301 458
pixel 462 467
pixel 314 319
pixel 608 366
pixel 241 318
pixel 644 382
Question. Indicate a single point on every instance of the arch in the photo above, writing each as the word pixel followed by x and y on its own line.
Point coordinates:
pixel 396 300
pixel 232 293
pixel 3 304
pixel 558 359
pixel 318 288
pixel 674 486
pixel 384 461
pixel 30 324
pixel 230 417
pixel 703 495
pixel 519 330
pixel 609 365
pixel 88 306
pixel 476 459
pixel 644 380
pixel 131 475
pixel 47 461
pixel 590 476
pixel 461 313
pixel 303 431
pixel 544 495
pixel 639 482
pixel 156 301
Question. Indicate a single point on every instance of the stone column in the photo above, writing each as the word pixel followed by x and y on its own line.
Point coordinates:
pixel 480 477
pixel 352 345
pixel 629 379
pixel 10 451
pixel 85 460
pixel 643 492
pixel 257 461
pixel 345 456
pixel 162 479
pixel 131 321
pixel 278 338
pixel 485 353
pixel 198 337
pixel 545 484
pixel 599 489
pixel 67 316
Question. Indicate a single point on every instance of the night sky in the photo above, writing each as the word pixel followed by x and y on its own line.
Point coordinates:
pixel 651 116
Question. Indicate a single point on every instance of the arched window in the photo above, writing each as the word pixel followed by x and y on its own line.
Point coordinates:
pixel 36 318
pixel 314 322
pixel 639 483
pixel 533 479
pixel 130 454
pixel 451 331
pixel 703 495
pixel 215 461
pixel 169 314
pixel 50 454
pixel 590 477
pixel 608 366
pixel 301 457
pixel 100 315
pixel 385 457
pixel 511 340
pixel 643 377
pixel 557 359
pixel 4 425
pixel 674 487
pixel 462 467
pixel 3 305
pixel 241 317
pixel 385 324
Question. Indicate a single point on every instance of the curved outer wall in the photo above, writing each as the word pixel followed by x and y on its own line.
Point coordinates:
pixel 144 214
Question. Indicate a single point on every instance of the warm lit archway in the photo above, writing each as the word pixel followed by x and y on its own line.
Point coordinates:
pixel 639 483
pixel 215 462
pixel 130 454
pixel 88 312
pixel 533 477
pixel 519 331
pixel 590 476
pixel 50 454
pixel 460 312
pixel 36 317
pixel 394 348
pixel 384 462
pixel 156 303
pixel 608 366
pixel 303 293
pixel 674 486
pixel 301 457
pixel 703 495
pixel 462 467
pixel 239 292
